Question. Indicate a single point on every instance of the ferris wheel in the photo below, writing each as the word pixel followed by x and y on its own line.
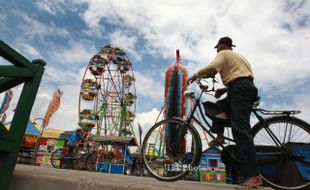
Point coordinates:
pixel 107 95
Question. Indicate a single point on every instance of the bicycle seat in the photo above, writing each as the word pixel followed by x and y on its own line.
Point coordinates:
pixel 81 152
pixel 215 112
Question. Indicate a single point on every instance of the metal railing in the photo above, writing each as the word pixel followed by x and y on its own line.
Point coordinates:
pixel 28 73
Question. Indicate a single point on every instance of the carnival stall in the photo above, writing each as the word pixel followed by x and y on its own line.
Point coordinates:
pixel 30 138
pixel 114 155
pixel 212 169
pixel 46 147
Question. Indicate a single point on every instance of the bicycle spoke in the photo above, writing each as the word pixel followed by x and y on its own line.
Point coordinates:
pixel 280 135
pixel 290 133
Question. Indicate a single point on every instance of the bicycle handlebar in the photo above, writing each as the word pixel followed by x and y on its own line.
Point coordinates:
pixel 204 87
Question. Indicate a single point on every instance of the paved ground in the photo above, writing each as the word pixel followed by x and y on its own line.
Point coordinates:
pixel 43 178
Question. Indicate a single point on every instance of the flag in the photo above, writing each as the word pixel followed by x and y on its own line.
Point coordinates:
pixel 53 106
pixel 6 102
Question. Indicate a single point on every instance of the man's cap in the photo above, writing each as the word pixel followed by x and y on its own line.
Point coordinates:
pixel 79 129
pixel 225 40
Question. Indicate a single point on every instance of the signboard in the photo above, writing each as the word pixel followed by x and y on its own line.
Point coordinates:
pixel 212 177
pixel 46 147
pixel 30 140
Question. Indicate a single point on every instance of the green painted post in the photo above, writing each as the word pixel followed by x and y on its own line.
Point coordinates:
pixel 22 72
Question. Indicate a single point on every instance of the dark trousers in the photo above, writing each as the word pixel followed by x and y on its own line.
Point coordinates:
pixel 238 104
pixel 72 148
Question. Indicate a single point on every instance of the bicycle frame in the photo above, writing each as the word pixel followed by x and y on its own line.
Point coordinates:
pixel 197 105
pixel 191 117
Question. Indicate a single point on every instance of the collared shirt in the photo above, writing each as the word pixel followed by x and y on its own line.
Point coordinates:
pixel 75 138
pixel 230 65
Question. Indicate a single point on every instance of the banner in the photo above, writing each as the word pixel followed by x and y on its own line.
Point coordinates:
pixel 6 102
pixel 53 106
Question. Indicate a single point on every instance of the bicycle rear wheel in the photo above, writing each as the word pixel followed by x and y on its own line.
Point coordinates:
pixel 171 149
pixel 91 161
pixel 280 161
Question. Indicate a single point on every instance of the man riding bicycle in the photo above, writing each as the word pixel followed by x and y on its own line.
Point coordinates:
pixel 75 140
pixel 237 76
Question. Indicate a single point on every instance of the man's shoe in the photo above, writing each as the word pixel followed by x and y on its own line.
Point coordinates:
pixel 253 181
pixel 219 140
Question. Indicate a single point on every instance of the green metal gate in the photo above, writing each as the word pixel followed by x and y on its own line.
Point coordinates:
pixel 28 73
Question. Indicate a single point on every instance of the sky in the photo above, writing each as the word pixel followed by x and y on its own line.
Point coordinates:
pixel 273 35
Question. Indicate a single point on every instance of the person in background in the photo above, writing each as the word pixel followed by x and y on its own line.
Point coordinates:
pixel 75 140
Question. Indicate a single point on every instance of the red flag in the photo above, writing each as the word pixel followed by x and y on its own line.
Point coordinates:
pixel 53 106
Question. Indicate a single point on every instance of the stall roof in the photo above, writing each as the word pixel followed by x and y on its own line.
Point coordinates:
pixel 66 135
pixel 52 133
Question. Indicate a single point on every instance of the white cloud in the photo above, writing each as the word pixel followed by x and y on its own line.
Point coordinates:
pixel 148 86
pixel 3 19
pixel 267 33
pixel 16 94
pixel 56 75
pixel 66 117
pixel 78 53
pixel 4 61
pixel 302 103
pixel 32 28
pixel 291 97
pixel 270 47
pixel 127 42
pixel 44 95
pixel 146 120
pixel 278 56
pixel 52 7
pixel 25 48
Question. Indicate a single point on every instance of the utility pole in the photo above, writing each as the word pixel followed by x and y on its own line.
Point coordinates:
pixel 35 153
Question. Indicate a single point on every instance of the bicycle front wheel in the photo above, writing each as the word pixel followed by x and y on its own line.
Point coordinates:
pixel 281 143
pixel 171 149
pixel 57 158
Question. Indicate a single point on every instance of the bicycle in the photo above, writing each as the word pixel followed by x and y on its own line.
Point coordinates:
pixel 170 159
pixel 63 159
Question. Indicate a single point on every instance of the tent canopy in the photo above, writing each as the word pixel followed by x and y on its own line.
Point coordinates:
pixel 32 127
